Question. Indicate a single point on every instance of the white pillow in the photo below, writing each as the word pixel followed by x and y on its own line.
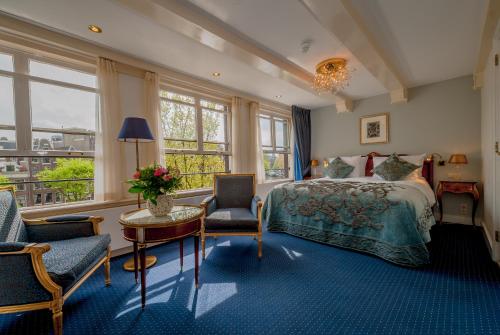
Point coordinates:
pixel 356 162
pixel 414 159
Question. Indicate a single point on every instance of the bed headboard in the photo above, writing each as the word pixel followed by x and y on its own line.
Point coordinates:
pixel 427 168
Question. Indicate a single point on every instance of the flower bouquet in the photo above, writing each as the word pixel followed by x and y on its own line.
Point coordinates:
pixel 157 185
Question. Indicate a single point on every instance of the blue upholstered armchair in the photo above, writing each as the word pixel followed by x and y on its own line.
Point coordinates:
pixel 43 261
pixel 233 209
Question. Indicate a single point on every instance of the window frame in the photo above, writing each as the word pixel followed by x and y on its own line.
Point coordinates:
pixel 200 150
pixel 286 150
pixel 23 128
pixel 22 104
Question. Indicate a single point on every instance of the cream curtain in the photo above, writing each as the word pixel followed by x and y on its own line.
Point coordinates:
pixel 238 139
pixel 108 151
pixel 255 148
pixel 151 152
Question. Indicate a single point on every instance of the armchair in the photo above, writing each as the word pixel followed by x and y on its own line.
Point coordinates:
pixel 233 209
pixel 43 261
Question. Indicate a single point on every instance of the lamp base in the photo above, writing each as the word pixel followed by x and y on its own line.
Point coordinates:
pixel 129 264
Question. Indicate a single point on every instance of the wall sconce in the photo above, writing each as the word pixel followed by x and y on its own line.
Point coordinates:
pixel 441 161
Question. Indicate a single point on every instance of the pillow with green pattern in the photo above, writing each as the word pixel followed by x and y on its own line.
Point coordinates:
pixel 338 169
pixel 395 168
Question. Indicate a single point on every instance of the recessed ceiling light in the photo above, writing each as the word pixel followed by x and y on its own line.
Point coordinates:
pixel 278 96
pixel 216 74
pixel 95 29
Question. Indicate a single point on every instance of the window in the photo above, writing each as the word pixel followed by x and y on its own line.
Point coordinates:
pixel 47 128
pixel 196 133
pixel 275 134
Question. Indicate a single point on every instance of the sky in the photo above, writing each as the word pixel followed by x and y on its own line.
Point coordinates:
pixel 51 106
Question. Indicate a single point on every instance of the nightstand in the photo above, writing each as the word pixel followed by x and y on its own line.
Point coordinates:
pixel 458 187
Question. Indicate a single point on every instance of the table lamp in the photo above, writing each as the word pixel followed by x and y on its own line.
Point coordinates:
pixel 314 165
pixel 135 129
pixel 457 160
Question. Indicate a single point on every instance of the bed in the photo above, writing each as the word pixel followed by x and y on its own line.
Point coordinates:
pixel 389 219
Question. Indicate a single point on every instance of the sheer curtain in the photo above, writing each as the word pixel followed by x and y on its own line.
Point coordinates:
pixel 255 148
pixel 108 151
pixel 237 136
pixel 151 152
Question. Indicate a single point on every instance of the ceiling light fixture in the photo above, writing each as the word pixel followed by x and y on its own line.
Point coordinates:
pixel 278 96
pixel 332 75
pixel 216 74
pixel 95 29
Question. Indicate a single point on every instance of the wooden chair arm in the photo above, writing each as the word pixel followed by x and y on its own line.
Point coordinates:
pixel 36 251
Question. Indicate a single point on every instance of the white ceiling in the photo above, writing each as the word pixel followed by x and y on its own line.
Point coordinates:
pixel 427 41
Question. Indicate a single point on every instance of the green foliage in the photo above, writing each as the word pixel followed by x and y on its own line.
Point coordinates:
pixel 4 180
pixel 70 168
pixel 178 122
pixel 155 180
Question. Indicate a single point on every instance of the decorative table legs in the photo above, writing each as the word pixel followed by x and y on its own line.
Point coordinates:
pixel 141 250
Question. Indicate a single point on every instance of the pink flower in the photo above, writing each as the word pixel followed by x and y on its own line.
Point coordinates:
pixel 160 171
pixel 137 175
pixel 167 177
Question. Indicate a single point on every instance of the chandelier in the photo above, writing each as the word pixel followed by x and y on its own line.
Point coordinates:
pixel 332 75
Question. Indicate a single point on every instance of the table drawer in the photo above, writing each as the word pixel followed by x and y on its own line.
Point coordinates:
pixel 458 187
pixel 163 233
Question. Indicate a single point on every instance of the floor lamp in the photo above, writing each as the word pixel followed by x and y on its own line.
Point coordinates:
pixel 136 130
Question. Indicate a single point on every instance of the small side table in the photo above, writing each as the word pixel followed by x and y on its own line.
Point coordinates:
pixel 141 228
pixel 458 187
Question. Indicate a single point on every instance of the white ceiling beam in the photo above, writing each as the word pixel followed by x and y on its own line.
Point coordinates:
pixel 340 18
pixel 194 23
pixel 490 24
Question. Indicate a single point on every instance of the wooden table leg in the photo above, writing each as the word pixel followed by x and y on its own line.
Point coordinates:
pixel 181 251
pixel 439 196
pixel 475 202
pixel 196 238
pixel 136 268
pixel 142 253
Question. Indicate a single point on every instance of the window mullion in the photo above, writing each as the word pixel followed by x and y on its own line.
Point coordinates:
pixel 22 104
pixel 273 134
pixel 199 124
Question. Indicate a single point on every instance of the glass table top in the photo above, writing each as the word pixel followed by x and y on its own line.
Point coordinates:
pixel 178 215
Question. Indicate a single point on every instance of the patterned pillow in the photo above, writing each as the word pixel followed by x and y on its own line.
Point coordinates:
pixel 394 168
pixel 338 169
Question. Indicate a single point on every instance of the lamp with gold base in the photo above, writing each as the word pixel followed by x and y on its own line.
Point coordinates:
pixel 457 160
pixel 136 130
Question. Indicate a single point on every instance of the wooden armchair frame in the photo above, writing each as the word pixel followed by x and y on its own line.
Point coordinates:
pixel 257 235
pixel 36 251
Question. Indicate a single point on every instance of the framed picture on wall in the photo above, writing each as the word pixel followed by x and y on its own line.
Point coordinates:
pixel 374 129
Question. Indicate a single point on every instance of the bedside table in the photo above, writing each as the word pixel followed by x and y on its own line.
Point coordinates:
pixel 458 187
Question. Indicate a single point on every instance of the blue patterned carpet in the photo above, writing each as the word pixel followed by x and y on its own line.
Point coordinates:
pixel 299 287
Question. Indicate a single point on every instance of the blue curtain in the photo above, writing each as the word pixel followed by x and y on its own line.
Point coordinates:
pixel 297 170
pixel 302 129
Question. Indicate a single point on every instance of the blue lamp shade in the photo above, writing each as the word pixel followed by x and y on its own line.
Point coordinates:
pixel 135 128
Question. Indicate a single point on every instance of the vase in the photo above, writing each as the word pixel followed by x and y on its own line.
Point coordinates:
pixel 164 204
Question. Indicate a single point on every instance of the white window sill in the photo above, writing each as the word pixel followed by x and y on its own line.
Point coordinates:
pixel 88 206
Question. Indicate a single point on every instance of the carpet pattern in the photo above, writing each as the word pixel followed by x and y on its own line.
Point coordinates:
pixel 299 287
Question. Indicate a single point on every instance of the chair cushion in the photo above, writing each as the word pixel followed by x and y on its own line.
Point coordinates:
pixel 234 191
pixel 69 260
pixel 11 226
pixel 231 220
